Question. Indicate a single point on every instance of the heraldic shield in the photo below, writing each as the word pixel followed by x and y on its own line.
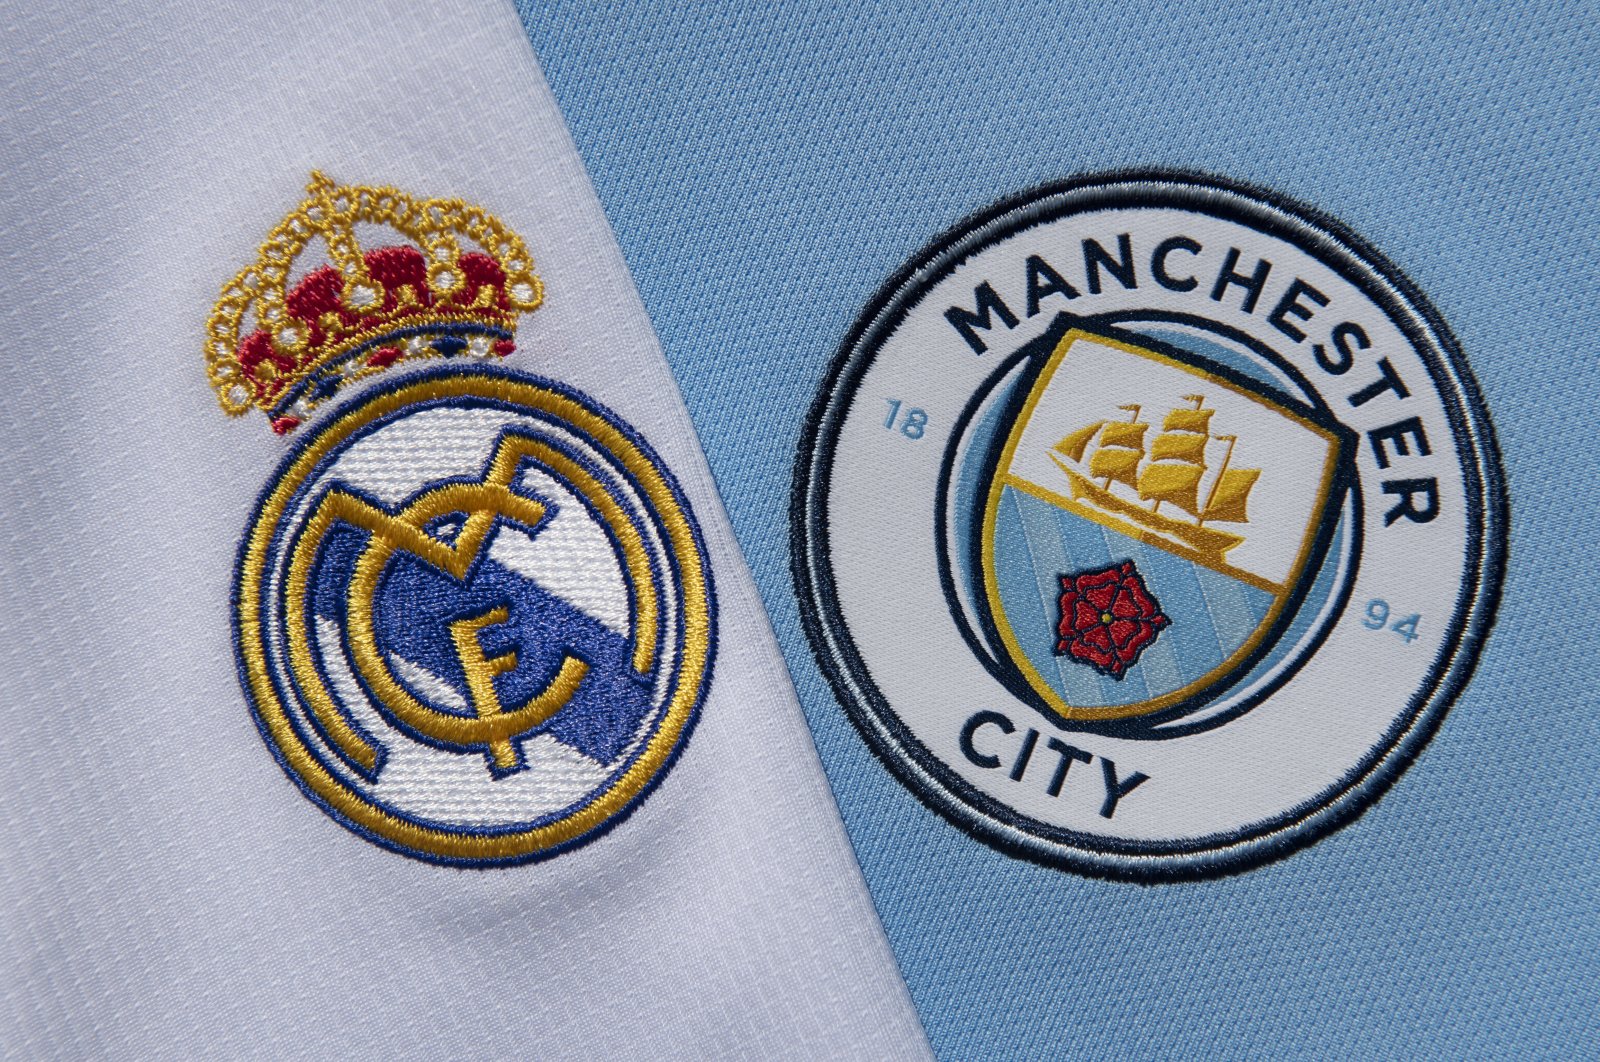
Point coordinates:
pixel 1147 527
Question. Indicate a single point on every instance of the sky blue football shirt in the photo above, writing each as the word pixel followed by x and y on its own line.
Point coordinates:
pixel 767 170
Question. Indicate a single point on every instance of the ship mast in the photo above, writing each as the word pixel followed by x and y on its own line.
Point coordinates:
pixel 1133 418
pixel 1211 495
pixel 1198 400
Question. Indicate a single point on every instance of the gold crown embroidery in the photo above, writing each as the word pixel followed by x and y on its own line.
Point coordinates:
pixel 284 349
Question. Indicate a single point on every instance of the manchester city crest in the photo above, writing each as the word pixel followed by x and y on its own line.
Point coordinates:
pixel 1131 465
pixel 1148 525
pixel 472 609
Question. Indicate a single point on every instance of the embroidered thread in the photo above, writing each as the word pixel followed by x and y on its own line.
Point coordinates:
pixel 1176 371
pixel 286 349
pixel 474 669
pixel 1108 618
pixel 473 613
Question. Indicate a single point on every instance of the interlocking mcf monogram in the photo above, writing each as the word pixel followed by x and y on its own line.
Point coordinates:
pixel 495 727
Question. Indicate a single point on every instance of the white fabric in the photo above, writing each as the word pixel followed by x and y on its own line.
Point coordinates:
pixel 165 890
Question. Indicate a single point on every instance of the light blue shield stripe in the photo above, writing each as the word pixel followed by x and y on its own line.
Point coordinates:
pixel 1036 543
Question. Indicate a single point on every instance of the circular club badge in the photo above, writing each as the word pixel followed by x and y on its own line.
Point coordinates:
pixel 474 617
pixel 1148 524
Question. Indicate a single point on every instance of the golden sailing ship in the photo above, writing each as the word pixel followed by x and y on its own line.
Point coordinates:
pixel 1169 471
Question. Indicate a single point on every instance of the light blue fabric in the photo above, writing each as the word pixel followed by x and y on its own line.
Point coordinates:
pixel 767 168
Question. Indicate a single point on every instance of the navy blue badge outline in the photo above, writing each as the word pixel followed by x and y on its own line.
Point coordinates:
pixel 1349 255
pixel 1143 727
pixel 604 412
pixel 463 401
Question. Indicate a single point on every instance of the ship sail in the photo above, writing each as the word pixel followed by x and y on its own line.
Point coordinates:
pixel 1195 420
pixel 1115 463
pixel 1122 433
pixel 1230 495
pixel 1178 458
pixel 1175 483
pixel 1179 446
pixel 1116 459
pixel 1073 445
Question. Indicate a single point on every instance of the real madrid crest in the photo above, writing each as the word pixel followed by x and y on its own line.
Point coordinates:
pixel 472 611
pixel 1148 525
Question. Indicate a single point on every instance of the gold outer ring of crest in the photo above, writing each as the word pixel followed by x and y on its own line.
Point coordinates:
pixel 991 509
pixel 680 705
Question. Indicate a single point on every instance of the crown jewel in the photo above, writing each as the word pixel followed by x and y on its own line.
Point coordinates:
pixel 285 349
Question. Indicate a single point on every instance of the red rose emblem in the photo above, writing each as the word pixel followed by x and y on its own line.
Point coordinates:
pixel 1108 617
